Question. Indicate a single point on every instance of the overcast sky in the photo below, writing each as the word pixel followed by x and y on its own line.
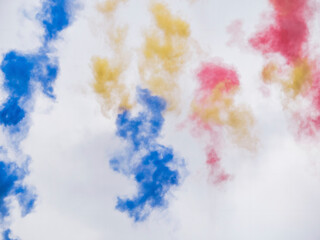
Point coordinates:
pixel 273 191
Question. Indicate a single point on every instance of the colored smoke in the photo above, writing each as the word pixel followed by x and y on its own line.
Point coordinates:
pixel 214 109
pixel 289 32
pixel 152 165
pixel 110 6
pixel 108 72
pixel 11 177
pixel 164 54
pixel 22 73
pixel 21 70
pixel 213 105
pixel 107 84
pixel 288 36
pixel 6 235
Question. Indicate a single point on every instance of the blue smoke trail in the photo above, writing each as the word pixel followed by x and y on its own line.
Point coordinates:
pixel 21 72
pixel 6 235
pixel 149 162
pixel 54 17
pixel 11 177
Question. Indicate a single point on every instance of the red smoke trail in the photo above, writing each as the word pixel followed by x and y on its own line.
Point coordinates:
pixel 217 174
pixel 310 124
pixel 288 33
pixel 214 109
pixel 210 75
pixel 288 36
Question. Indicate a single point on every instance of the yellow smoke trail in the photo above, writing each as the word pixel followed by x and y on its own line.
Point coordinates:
pixel 108 71
pixel 300 78
pixel 164 54
pixel 269 73
pixel 296 80
pixel 108 86
pixel 219 109
pixel 110 6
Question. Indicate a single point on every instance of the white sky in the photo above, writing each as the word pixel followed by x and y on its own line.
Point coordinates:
pixel 274 193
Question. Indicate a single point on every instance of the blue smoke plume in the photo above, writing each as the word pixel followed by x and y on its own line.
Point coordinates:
pixel 150 163
pixel 6 235
pixel 22 70
pixel 11 177
pixel 54 17
pixel 21 73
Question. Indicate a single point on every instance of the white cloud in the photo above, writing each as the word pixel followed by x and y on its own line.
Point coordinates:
pixel 274 193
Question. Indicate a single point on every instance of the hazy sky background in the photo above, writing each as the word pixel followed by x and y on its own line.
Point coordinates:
pixel 274 192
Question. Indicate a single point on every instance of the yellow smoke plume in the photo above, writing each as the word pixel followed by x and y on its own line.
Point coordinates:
pixel 296 80
pixel 109 6
pixel 108 86
pixel 219 109
pixel 164 54
pixel 108 72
